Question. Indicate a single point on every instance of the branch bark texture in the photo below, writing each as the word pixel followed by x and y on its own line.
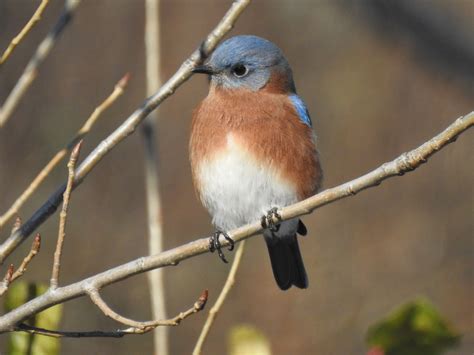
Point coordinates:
pixel 127 127
pixel 27 28
pixel 152 177
pixel 31 70
pixel 404 163
pixel 59 156
pixel 229 283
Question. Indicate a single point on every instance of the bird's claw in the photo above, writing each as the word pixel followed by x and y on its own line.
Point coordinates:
pixel 215 244
pixel 268 220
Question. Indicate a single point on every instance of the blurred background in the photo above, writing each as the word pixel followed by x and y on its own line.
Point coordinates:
pixel 379 78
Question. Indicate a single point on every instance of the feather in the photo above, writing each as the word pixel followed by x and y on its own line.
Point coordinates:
pixel 287 263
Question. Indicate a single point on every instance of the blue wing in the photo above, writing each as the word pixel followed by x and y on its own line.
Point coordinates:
pixel 301 109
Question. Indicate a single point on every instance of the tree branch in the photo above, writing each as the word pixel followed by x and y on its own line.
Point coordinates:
pixel 127 127
pixel 12 276
pixel 63 216
pixel 7 279
pixel 71 334
pixel 29 25
pixel 152 178
pixel 404 163
pixel 136 328
pixel 150 325
pixel 31 70
pixel 220 300
pixel 83 131
pixel 35 248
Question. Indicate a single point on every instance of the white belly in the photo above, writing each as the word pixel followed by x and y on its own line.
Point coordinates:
pixel 237 189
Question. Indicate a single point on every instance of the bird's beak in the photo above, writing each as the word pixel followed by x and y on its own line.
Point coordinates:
pixel 204 69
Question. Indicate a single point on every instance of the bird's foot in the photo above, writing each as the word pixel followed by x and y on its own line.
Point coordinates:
pixel 268 220
pixel 215 244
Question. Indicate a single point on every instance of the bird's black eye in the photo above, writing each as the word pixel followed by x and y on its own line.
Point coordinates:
pixel 239 70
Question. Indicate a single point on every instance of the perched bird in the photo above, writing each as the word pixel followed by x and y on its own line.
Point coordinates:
pixel 253 150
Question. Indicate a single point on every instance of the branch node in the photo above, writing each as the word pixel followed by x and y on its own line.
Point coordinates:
pixel 43 174
pixel 9 275
pixel 29 25
pixel 7 279
pixel 16 224
pixel 144 327
pixel 130 124
pixel 35 248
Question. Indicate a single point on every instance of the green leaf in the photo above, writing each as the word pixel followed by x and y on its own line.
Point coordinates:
pixel 415 328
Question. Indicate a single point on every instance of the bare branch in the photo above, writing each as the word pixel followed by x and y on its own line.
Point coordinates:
pixel 31 70
pixel 16 224
pixel 7 279
pixel 35 248
pixel 149 325
pixel 119 89
pixel 63 216
pixel 12 276
pixel 220 300
pixel 85 129
pixel 65 334
pixel 152 178
pixel 401 165
pixel 127 127
pixel 29 25
pixel 143 327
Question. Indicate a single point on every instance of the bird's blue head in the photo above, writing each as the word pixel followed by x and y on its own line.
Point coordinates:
pixel 248 62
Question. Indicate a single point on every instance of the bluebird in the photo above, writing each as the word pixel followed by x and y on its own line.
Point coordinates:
pixel 253 150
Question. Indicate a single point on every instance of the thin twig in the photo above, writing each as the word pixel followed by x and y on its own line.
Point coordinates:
pixel 31 70
pixel 397 167
pixel 7 279
pixel 71 334
pixel 81 133
pixel 127 127
pixel 12 276
pixel 35 248
pixel 140 328
pixel 63 216
pixel 220 300
pixel 118 90
pixel 19 37
pixel 148 325
pixel 152 178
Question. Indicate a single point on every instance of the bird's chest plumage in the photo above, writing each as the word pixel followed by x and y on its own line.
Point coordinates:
pixel 237 188
pixel 247 155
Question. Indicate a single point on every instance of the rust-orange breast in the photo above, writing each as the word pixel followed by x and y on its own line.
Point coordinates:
pixel 268 125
